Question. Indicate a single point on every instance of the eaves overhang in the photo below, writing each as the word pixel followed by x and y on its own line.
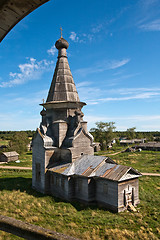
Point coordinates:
pixel 62 104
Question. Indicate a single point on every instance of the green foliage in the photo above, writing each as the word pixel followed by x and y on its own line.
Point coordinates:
pixel 131 133
pixel 103 133
pixel 18 142
pixel 7 135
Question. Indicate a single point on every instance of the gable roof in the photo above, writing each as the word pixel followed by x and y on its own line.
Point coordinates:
pixel 10 154
pixel 97 166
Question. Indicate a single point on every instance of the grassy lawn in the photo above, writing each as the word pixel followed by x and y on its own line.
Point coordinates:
pixel 19 200
pixel 145 161
pixel 4 142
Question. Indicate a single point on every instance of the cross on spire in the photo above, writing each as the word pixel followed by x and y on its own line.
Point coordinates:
pixel 61 31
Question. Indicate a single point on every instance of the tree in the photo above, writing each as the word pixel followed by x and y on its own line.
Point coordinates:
pixel 19 142
pixel 131 133
pixel 103 133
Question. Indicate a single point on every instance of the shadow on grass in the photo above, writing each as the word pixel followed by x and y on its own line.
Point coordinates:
pixel 19 183
pixel 29 153
pixel 25 185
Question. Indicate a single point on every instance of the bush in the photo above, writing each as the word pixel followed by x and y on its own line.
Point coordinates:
pixel 19 142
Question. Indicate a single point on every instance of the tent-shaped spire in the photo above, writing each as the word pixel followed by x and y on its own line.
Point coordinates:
pixel 62 88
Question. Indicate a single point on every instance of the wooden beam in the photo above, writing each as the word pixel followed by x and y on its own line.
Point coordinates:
pixel 13 11
pixel 29 231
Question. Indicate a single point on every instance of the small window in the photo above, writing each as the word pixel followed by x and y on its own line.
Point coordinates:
pixel 38 172
pixel 105 188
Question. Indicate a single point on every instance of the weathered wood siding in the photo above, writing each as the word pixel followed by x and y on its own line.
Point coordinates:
pixel 128 186
pixel 59 185
pixel 91 190
pixel 4 158
pixel 71 188
pixel 57 155
pixel 107 193
pixel 81 145
pixel 81 188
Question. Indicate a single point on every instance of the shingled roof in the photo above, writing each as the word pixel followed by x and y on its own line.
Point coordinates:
pixel 62 87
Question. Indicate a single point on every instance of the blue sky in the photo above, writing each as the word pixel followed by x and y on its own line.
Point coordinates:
pixel 114 56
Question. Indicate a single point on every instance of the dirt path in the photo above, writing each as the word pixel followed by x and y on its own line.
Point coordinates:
pixel 14 167
pixel 151 174
pixel 111 154
pixel 29 168
pixel 114 153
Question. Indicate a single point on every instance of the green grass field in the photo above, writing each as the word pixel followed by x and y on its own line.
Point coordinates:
pixel 20 201
pixel 4 142
pixel 145 161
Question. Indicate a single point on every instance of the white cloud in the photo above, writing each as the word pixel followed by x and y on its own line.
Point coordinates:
pixel 103 66
pixel 94 95
pixel 97 28
pixel 86 93
pixel 148 15
pixel 32 99
pixel 30 70
pixel 83 84
pixel 146 118
pixel 147 4
pixel 81 37
pixel 52 50
pixel 90 37
pixel 116 64
pixel 133 97
pixel 151 26
pixel 73 37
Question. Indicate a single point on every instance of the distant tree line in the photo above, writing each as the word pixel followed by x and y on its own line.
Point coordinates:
pixel 105 132
pixel 7 135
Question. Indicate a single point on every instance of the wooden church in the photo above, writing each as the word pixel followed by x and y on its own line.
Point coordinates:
pixel 64 164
